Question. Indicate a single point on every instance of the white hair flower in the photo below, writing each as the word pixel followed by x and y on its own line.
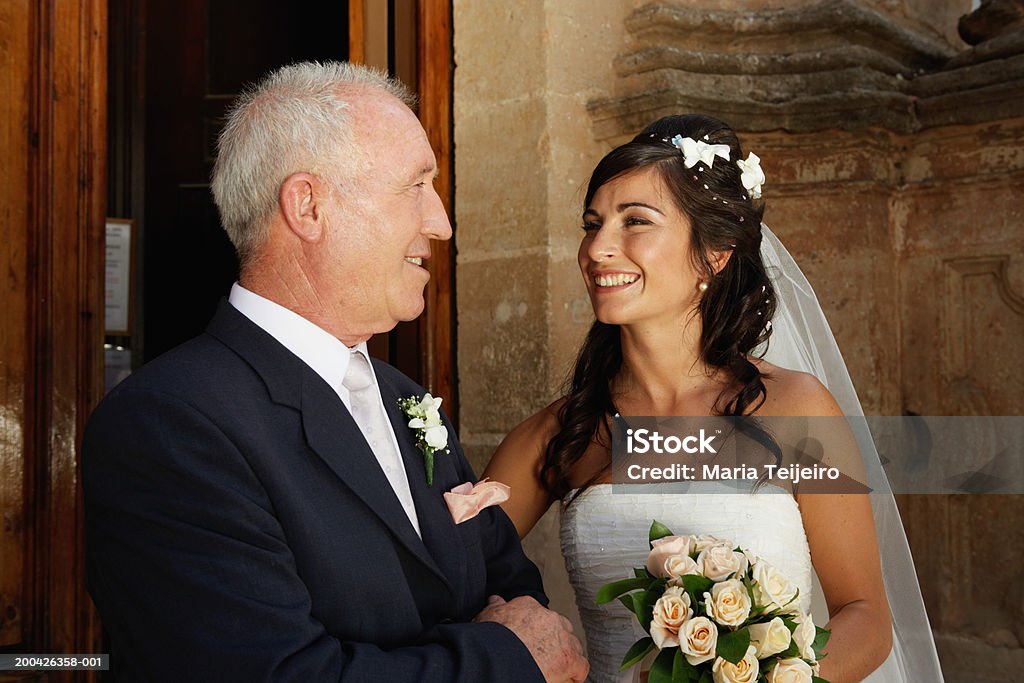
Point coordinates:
pixel 751 174
pixel 696 151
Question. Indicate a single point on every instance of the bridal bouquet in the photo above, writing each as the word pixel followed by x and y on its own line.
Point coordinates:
pixel 717 613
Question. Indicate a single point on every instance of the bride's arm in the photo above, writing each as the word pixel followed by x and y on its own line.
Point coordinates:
pixel 844 550
pixel 517 462
pixel 841 534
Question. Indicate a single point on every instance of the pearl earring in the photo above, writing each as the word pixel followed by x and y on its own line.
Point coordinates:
pixel 703 286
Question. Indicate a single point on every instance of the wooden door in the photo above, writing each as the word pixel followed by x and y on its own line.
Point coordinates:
pixel 176 67
pixel 199 54
pixel 52 127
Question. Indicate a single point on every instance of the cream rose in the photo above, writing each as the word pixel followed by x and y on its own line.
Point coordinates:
pixel 678 566
pixel 790 671
pixel 769 638
pixel 698 639
pixel 771 589
pixel 744 671
pixel 804 636
pixel 719 562
pixel 670 613
pixel 704 541
pixel 728 603
pixel 663 550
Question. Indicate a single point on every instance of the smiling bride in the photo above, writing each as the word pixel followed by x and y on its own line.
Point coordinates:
pixel 686 287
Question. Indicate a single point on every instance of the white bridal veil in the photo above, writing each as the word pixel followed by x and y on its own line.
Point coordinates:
pixel 802 340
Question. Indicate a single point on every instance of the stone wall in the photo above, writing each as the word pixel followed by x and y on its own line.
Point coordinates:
pixel 894 154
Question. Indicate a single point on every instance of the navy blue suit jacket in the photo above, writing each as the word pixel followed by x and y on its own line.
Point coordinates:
pixel 238 528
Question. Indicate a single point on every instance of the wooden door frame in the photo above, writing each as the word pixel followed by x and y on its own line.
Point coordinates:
pixel 434 87
pixel 54 125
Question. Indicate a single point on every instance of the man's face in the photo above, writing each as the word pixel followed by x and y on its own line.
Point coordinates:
pixel 381 223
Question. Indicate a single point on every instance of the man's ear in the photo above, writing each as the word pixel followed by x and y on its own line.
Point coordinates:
pixel 718 259
pixel 303 203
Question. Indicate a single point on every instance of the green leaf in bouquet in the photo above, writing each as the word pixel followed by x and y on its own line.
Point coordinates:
pixel 682 670
pixel 610 591
pixel 658 530
pixel 641 604
pixel 706 677
pixel 661 669
pixel 749 585
pixel 766 665
pixel 644 605
pixel 641 573
pixel 696 585
pixel 627 600
pixel 732 646
pixel 792 651
pixel 818 679
pixel 821 637
pixel 637 652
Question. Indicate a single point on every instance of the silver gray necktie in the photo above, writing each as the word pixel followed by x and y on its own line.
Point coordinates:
pixel 369 415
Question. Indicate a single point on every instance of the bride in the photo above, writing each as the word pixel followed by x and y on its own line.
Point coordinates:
pixel 674 259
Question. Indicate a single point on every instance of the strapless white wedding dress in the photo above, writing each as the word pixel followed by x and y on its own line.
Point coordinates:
pixel 604 535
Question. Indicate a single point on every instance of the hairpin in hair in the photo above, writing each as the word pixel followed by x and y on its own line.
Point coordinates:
pixel 700 152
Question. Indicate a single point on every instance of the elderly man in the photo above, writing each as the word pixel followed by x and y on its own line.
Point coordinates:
pixel 257 507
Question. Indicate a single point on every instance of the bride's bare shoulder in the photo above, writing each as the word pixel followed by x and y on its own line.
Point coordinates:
pixel 530 438
pixel 518 462
pixel 790 392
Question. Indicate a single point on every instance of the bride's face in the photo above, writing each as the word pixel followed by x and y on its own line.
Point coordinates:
pixel 635 254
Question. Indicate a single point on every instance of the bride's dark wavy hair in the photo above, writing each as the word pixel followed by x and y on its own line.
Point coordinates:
pixel 733 310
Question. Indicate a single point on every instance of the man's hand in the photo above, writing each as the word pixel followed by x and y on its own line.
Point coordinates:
pixel 547 634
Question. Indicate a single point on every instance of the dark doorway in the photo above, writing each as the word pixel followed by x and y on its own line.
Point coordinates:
pixel 175 67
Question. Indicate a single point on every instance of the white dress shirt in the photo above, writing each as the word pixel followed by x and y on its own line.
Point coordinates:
pixel 329 358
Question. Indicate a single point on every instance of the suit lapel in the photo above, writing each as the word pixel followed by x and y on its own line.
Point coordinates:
pixel 439 533
pixel 336 438
pixel 329 428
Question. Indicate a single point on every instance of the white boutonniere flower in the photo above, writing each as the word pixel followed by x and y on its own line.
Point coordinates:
pixel 751 174
pixel 425 421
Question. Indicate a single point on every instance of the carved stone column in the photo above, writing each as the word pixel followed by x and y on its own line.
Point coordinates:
pixel 833 64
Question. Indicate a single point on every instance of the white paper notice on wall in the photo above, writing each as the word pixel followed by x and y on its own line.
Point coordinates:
pixel 118 275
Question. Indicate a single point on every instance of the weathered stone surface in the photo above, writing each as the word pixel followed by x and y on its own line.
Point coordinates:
pixel 992 18
pixel 500 50
pixel 985 83
pixel 571 316
pixel 836 64
pixel 809 27
pixel 502 333
pixel 822 65
pixel 502 202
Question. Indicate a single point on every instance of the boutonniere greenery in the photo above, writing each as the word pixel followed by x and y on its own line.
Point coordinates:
pixel 425 422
